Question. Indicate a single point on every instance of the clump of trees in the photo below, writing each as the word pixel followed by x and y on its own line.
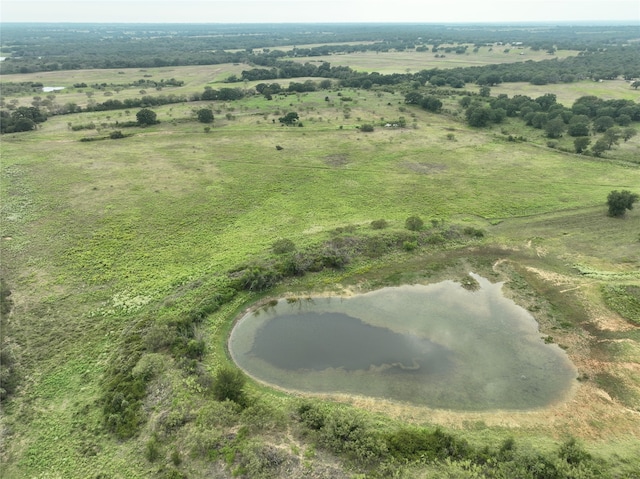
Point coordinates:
pixel 24 118
pixel 9 376
pixel 290 119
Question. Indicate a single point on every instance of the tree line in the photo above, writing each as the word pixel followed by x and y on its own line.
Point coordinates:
pixel 33 48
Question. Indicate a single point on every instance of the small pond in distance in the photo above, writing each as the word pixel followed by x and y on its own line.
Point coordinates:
pixel 437 345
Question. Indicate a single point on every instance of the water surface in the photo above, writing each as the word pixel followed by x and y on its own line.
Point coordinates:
pixel 438 345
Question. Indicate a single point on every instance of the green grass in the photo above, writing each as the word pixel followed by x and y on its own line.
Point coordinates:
pixel 98 236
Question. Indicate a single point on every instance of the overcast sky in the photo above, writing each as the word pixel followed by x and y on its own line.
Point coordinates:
pixel 287 11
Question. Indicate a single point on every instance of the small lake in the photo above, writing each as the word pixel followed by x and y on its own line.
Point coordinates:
pixel 437 345
pixel 49 89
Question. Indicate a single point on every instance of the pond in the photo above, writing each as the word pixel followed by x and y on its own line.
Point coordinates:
pixel 438 345
pixel 49 89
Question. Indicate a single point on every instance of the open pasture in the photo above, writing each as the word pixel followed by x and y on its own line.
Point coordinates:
pixel 567 93
pixel 414 61
pixel 98 234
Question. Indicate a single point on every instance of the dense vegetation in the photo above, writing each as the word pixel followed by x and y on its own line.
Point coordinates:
pixel 125 262
pixel 71 48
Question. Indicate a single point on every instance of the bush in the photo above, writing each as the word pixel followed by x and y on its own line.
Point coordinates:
pixel 379 224
pixel 474 232
pixel 417 443
pixel 409 245
pixel 312 415
pixel 282 246
pixel 116 135
pixel 414 223
pixel 258 278
pixel 620 201
pixel 573 453
pixel 375 247
pixel 152 450
pixel 229 385
pixel 367 128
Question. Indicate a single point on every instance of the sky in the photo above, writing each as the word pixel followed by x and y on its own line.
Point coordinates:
pixel 319 11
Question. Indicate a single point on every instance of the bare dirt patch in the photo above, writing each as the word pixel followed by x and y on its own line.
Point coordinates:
pixel 336 160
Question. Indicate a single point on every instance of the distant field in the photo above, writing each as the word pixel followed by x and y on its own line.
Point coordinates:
pixel 567 93
pixel 195 78
pixel 412 61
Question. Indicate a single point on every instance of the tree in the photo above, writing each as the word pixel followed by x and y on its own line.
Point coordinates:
pixel 599 147
pixel 628 133
pixel 635 84
pixel 489 79
pixel 581 143
pixel 620 201
pixel 578 128
pixel 603 123
pixel 485 91
pixel 205 115
pixel 612 136
pixel 554 128
pixel 289 119
pixel 431 103
pixel 146 117
pixel 478 116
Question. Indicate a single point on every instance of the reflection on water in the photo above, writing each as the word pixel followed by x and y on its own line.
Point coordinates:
pixel 437 345
pixel 319 341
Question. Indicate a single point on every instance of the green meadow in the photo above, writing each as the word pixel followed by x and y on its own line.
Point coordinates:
pixel 104 240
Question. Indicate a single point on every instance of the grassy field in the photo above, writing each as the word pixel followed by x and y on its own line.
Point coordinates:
pixel 567 93
pixel 99 236
pixel 412 61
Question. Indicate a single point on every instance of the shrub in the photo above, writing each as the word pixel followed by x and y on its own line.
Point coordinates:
pixel 620 201
pixel 417 443
pixel 152 450
pixel 312 415
pixel 347 431
pixel 282 246
pixel 414 223
pixel 116 135
pixel 229 385
pixel 367 128
pixel 573 453
pixel 435 239
pixel 331 257
pixel 258 278
pixel 409 245
pixel 474 232
pixel 375 247
pixel 379 224
pixel 195 348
